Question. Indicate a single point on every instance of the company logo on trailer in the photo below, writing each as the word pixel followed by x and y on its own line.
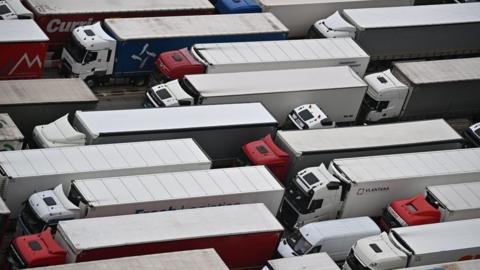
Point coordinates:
pixel 57 25
pixel 362 191
pixel 143 56
pixel 27 60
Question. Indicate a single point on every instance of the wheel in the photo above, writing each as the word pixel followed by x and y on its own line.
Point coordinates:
pixel 139 81
pixel 91 82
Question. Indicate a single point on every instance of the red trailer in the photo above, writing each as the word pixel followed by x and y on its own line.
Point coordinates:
pixel 245 236
pixel 23 46
pixel 59 17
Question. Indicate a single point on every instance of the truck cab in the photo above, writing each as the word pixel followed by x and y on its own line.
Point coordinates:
pixel 313 195
pixel 266 152
pixel 44 210
pixel 413 211
pixel 89 54
pixel 176 64
pixel 59 133
pixel 377 252
pixel 335 26
pixel 170 94
pixel 14 9
pixel 34 251
pixel 308 116
pixel 384 98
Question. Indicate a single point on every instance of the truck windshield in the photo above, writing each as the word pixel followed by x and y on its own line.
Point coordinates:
pixel 298 197
pixel 299 244
pixel 431 200
pixel 74 196
pixel 32 222
pixel 189 89
pixel 370 102
pixel 389 220
pixel 75 49
pixel 354 263
pixel 13 259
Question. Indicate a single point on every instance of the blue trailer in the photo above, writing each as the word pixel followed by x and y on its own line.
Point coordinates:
pixel 126 49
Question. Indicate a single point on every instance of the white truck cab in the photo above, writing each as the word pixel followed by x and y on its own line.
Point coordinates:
pixel 335 26
pixel 335 237
pixel 377 252
pixel 90 51
pixel 59 133
pixel 308 116
pixel 14 9
pixel 168 94
pixel 44 209
pixel 385 96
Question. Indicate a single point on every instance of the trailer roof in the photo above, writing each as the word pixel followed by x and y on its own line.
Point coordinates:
pixel 381 168
pixel 191 26
pixel 200 259
pixel 8 130
pixel 451 70
pixel 457 197
pixel 92 233
pixel 279 50
pixel 301 142
pixel 35 162
pixel 176 186
pixel 275 81
pixel 21 31
pixel 16 92
pixel 441 237
pixel 51 7
pixel 406 16
pixel 301 2
pixel 317 261
pixel 175 118
pixel 460 265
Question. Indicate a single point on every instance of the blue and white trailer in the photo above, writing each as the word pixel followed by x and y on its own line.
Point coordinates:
pixel 126 48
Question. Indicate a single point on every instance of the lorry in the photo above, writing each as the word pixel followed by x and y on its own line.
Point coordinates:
pixel 300 15
pixel 295 150
pixel 280 91
pixel 424 89
pixel 25 172
pixel 33 102
pixel 317 261
pixel 416 246
pixel 260 55
pixel 14 9
pixel 220 130
pixel 460 265
pixel 334 237
pixel 58 18
pixel 439 204
pixel 419 31
pixel 249 228
pixel 123 195
pixel 363 186
pixel 124 50
pixel 24 46
pixel 200 259
pixel 10 136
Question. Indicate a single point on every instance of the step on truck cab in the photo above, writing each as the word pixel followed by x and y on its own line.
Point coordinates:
pixel 245 236
pixel 124 50
pixel 260 55
pixel 295 150
pixel 450 25
pixel 439 204
pixel 147 193
pixel 416 246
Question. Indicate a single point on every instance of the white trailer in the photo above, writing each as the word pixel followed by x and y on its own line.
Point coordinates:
pixel 24 172
pixel 10 136
pixel 462 265
pixel 299 15
pixel 364 186
pixel 199 259
pixel 280 91
pixel 262 55
pixel 125 195
pixel 220 130
pixel 317 261
pixel 417 246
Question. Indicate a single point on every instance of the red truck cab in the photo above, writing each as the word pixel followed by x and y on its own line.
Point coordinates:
pixel 409 212
pixel 33 251
pixel 173 65
pixel 265 152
